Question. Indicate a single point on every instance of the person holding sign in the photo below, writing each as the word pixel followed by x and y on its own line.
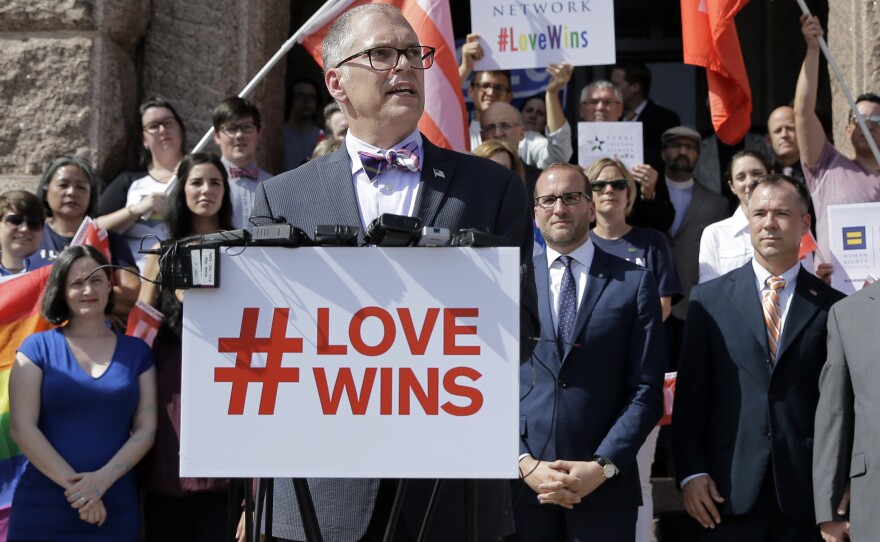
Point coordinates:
pixel 595 391
pixel 538 149
pixel 833 178
pixel 374 67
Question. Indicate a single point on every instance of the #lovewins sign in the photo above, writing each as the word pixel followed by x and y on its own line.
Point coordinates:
pixel 354 362
pixel 536 33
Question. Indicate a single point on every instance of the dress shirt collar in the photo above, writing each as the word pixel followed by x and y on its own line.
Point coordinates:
pixel 761 275
pixel 740 222
pixel 582 254
pixel 639 108
pixel 354 145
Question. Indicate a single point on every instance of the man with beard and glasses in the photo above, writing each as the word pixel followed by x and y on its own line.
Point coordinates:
pixel 695 208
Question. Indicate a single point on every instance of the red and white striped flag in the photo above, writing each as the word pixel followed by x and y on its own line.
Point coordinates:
pixel 444 121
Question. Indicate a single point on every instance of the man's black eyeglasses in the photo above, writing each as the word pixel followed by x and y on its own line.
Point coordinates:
pixel 383 59
pixel 569 198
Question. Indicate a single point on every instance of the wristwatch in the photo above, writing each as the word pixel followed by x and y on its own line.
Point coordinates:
pixel 608 468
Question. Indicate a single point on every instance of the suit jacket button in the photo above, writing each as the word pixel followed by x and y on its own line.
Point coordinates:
pixel 562 383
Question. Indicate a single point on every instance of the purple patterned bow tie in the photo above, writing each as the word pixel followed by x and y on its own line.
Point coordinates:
pixel 250 173
pixel 404 157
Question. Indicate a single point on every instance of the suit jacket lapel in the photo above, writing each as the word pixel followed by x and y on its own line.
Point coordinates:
pixel 597 279
pixel 806 300
pixel 336 181
pixel 693 208
pixel 545 314
pixel 744 296
pixel 438 167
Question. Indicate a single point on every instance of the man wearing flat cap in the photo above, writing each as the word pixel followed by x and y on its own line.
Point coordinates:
pixel 695 208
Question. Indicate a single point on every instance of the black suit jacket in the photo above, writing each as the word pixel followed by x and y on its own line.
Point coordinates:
pixel 655 120
pixel 734 414
pixel 456 191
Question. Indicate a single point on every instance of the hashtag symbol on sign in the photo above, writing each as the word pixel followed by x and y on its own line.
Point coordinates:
pixel 502 40
pixel 244 346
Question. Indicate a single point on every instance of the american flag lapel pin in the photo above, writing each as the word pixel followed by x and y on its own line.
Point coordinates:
pixel 438 173
pixel 813 293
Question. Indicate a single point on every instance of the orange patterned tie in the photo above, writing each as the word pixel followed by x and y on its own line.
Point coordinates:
pixel 773 314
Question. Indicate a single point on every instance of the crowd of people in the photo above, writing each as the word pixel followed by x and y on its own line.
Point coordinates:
pixel 627 272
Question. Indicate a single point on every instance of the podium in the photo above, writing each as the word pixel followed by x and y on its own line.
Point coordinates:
pixel 354 363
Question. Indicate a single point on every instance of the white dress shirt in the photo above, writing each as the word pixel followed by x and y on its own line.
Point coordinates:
pixel 242 192
pixel 582 258
pixel 393 191
pixel 725 246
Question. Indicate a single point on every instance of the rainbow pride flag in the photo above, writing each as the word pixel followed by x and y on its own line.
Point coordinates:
pixel 20 297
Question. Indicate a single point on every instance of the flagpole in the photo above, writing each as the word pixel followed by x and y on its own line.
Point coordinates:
pixel 285 48
pixel 852 104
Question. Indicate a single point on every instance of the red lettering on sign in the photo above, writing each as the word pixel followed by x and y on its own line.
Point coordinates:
pixel 244 346
pixel 451 330
pixel 344 382
pixel 453 388
pixel 356 325
pixel 417 343
pixel 324 346
pixel 409 382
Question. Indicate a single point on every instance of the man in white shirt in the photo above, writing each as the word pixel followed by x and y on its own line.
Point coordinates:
pixel 747 386
pixel 237 133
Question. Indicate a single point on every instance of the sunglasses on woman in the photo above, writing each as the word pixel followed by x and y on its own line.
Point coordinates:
pixel 33 222
pixel 617 184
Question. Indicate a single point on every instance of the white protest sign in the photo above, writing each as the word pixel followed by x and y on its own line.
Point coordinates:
pixel 344 362
pixel 620 140
pixel 532 34
pixel 854 238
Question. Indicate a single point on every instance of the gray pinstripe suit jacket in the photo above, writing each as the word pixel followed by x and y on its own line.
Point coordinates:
pixel 456 191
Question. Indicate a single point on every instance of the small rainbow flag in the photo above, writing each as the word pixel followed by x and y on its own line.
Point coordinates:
pixel 20 297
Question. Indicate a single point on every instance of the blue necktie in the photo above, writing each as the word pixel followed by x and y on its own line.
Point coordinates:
pixel 567 307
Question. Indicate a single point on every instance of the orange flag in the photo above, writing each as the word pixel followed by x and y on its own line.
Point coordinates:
pixel 444 121
pixel 709 40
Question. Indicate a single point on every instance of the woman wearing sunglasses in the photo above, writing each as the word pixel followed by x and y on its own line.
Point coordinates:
pixel 21 230
pixel 614 192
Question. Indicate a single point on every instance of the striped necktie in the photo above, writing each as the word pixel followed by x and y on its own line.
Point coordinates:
pixel 773 314
pixel 404 157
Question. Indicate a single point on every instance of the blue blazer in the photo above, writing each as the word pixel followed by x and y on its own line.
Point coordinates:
pixel 456 191
pixel 605 395
pixel 733 410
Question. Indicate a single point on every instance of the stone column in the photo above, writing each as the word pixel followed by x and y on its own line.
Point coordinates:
pixel 854 39
pixel 199 52
pixel 68 83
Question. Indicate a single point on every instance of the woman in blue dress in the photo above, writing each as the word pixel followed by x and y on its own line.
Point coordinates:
pixel 83 411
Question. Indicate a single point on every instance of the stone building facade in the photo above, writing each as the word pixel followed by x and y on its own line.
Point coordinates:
pixel 73 71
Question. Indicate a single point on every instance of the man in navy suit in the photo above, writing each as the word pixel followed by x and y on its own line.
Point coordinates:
pixel 374 68
pixel 747 388
pixel 593 389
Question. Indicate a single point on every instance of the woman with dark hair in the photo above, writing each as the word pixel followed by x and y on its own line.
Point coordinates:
pixel 83 411
pixel 614 193
pixel 22 219
pixel 727 245
pixel 134 203
pixel 69 192
pixel 175 508
pixel 534 113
